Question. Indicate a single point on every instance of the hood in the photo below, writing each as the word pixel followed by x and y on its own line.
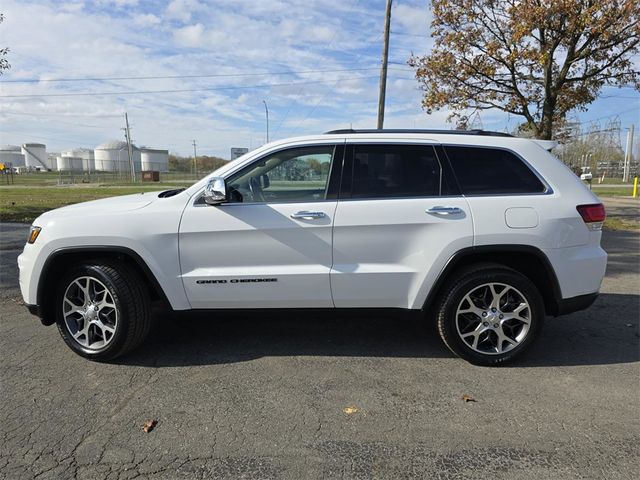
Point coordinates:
pixel 124 203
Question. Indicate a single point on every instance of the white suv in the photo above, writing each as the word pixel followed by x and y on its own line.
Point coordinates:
pixel 484 232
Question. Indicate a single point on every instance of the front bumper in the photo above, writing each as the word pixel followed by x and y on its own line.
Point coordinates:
pixel 33 309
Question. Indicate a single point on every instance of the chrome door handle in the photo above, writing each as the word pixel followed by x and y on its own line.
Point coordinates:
pixel 445 210
pixel 304 215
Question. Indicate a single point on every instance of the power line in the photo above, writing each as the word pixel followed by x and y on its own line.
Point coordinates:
pixel 57 121
pixel 46 137
pixel 167 77
pixel 333 37
pixel 183 90
pixel 141 92
pixel 611 115
pixel 635 97
pixel 61 115
pixel 409 34
pixel 331 89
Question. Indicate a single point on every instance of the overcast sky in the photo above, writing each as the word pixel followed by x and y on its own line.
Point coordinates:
pixel 315 63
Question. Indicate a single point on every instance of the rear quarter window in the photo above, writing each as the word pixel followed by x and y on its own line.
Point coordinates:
pixel 487 171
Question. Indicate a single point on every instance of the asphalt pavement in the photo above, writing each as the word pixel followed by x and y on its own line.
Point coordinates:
pixel 324 396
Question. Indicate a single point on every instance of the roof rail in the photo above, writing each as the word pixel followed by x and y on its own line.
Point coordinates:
pixel 486 133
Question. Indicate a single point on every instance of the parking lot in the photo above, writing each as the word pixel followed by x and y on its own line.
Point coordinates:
pixel 311 396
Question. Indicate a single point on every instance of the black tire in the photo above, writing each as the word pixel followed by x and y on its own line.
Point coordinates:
pixel 130 297
pixel 475 281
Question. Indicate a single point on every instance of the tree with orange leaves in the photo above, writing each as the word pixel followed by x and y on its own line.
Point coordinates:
pixel 538 59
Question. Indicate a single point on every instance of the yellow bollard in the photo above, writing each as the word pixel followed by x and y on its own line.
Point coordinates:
pixel 635 187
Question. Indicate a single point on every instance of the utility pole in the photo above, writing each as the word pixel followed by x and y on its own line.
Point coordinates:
pixel 383 71
pixel 195 158
pixel 628 153
pixel 266 110
pixel 127 134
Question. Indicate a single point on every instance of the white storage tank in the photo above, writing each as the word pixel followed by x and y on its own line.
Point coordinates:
pixel 154 159
pixel 69 164
pixel 52 159
pixel 35 156
pixel 11 154
pixel 87 156
pixel 113 156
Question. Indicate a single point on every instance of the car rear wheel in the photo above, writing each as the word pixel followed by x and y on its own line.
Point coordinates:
pixel 102 310
pixel 489 316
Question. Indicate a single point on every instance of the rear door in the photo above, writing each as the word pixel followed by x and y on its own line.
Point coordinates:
pixel 399 219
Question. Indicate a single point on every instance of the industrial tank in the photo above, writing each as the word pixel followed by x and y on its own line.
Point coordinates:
pixel 87 156
pixel 113 156
pixel 35 156
pixel 11 154
pixel 52 160
pixel 69 164
pixel 154 159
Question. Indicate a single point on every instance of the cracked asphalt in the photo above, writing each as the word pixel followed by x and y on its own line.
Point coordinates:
pixel 259 396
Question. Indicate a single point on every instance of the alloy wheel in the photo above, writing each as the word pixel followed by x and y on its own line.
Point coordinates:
pixel 90 313
pixel 493 318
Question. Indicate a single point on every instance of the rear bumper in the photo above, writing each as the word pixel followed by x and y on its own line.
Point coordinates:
pixel 575 304
pixel 579 270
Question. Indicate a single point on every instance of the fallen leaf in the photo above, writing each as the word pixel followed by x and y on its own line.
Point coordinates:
pixel 350 410
pixel 468 398
pixel 149 425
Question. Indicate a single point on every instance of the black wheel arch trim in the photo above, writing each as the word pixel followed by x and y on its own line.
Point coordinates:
pixel 40 308
pixel 554 306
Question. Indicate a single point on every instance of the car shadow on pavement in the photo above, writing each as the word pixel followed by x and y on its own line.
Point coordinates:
pixel 226 337
pixel 607 333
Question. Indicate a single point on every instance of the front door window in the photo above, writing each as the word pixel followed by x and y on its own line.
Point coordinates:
pixel 293 175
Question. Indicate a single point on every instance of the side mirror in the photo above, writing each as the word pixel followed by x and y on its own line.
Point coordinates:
pixel 215 192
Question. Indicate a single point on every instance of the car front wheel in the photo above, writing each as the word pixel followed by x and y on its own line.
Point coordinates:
pixel 102 310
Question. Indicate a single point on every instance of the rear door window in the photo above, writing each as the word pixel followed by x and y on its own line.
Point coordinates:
pixel 489 171
pixel 394 171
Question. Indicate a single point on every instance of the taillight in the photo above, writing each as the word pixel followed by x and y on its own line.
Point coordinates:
pixel 593 215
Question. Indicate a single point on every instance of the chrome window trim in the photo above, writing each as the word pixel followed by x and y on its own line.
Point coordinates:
pixel 235 204
pixel 547 191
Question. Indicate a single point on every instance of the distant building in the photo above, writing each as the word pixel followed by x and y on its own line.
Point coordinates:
pixel 11 154
pixel 238 152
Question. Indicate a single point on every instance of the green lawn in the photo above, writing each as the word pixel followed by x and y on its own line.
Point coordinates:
pixel 613 192
pixel 617 223
pixel 24 204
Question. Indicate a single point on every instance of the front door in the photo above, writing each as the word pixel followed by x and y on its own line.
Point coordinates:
pixel 269 246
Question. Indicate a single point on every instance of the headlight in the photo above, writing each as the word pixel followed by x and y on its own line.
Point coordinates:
pixel 33 234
